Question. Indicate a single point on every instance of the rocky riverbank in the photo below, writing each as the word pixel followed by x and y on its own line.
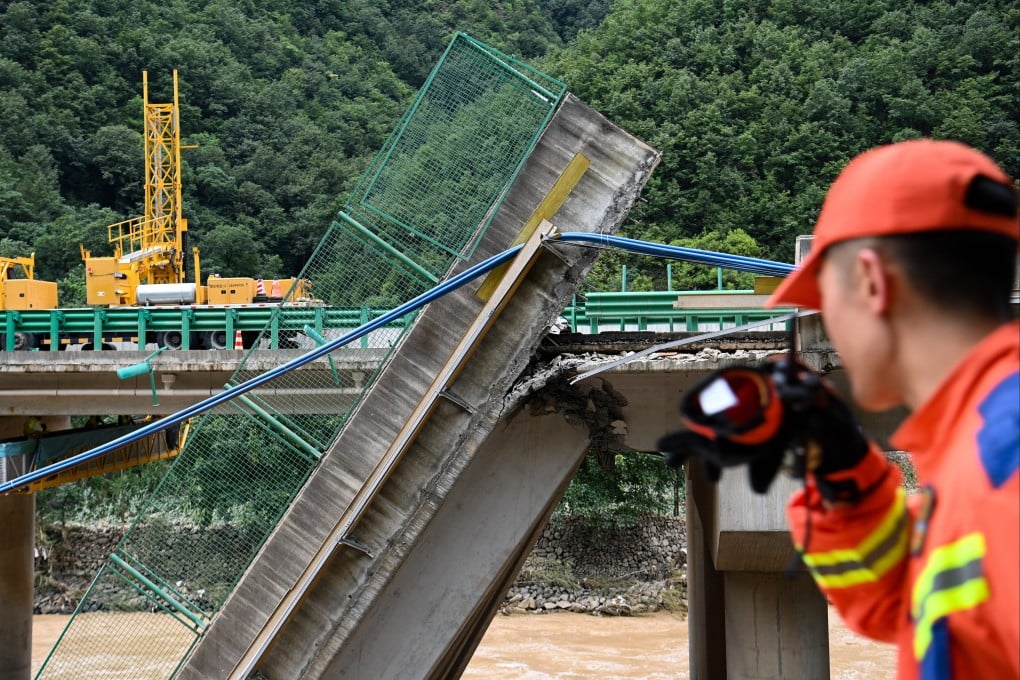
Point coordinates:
pixel 579 565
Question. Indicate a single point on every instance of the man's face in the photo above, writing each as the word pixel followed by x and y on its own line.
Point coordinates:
pixel 858 332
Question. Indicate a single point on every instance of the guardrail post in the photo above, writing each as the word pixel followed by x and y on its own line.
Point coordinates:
pixel 56 316
pixel 230 325
pixel 9 321
pixel 274 329
pixel 143 323
pixel 98 319
pixel 319 318
pixel 186 317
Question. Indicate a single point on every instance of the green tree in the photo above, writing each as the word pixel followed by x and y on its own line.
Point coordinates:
pixel 634 484
pixel 756 108
pixel 232 250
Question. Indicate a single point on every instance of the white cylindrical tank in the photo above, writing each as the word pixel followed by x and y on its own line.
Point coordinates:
pixel 166 294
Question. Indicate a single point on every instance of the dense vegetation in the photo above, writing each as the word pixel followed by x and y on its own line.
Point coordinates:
pixel 754 105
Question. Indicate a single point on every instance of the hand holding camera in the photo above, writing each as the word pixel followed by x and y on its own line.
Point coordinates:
pixel 778 414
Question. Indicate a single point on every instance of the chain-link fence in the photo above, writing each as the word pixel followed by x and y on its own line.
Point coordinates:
pixel 423 203
pixel 443 171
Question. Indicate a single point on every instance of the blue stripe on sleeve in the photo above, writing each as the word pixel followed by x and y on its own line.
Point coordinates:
pixel 999 436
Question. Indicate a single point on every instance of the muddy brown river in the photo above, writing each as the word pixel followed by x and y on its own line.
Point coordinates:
pixel 562 645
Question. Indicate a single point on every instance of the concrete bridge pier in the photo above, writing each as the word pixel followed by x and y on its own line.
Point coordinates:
pixel 17 531
pixel 17 558
pixel 17 524
pixel 753 614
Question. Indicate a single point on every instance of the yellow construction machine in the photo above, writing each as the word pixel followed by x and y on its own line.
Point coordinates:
pixel 149 264
pixel 149 250
pixel 19 289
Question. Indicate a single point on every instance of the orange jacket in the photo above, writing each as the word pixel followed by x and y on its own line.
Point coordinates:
pixel 938 573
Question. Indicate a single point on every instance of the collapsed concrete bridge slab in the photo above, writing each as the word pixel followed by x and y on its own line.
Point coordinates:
pixel 470 465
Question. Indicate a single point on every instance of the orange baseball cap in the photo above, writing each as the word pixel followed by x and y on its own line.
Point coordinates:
pixel 904 188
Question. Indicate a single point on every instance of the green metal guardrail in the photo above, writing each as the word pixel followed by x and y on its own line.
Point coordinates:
pixel 596 312
pixel 50 329
pixel 657 310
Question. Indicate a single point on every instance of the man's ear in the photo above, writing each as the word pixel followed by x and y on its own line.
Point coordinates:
pixel 872 279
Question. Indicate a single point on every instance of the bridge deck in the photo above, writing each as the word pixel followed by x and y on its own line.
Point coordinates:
pixel 83 383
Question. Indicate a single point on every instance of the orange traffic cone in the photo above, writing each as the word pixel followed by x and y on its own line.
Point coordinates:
pixel 238 341
pixel 275 291
pixel 260 290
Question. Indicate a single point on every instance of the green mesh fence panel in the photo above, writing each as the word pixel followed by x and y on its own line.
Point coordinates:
pixel 438 179
pixel 422 204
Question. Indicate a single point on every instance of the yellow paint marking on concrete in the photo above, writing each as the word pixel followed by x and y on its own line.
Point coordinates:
pixel 564 184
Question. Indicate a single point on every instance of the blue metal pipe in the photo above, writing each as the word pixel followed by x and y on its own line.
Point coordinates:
pixel 738 262
pixel 248 385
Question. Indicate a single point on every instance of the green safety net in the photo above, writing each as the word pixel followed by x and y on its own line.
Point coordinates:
pixel 441 175
pixel 423 203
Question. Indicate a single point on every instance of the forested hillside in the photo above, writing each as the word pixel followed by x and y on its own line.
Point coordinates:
pixel 755 106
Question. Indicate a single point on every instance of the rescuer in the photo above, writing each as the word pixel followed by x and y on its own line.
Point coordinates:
pixel 912 266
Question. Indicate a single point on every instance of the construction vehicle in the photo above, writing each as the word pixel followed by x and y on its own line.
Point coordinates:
pixel 149 266
pixel 19 288
pixel 20 291
pixel 148 250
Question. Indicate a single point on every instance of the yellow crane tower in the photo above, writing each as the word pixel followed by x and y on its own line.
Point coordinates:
pixel 148 264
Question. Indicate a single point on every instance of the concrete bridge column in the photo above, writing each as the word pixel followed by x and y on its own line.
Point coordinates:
pixel 17 553
pixel 750 617
pixel 17 530
pixel 705 585
pixel 17 524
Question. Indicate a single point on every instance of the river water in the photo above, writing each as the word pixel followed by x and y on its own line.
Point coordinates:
pixel 567 646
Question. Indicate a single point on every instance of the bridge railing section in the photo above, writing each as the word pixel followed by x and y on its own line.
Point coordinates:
pixel 432 191
pixel 58 329
pixel 662 311
pixel 422 205
pixel 286 327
